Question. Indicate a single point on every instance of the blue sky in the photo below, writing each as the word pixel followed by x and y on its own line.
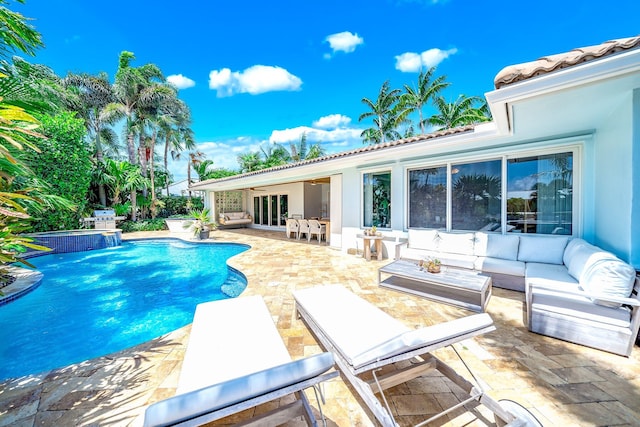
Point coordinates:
pixel 255 72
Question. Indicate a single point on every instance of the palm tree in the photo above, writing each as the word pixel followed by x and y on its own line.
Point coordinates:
pixel 195 159
pixel 300 151
pixel 250 162
pixel 275 155
pixel 458 113
pixel 137 90
pixel 416 99
pixel 386 115
pixel 16 34
pixel 204 169
pixel 174 129
pixel 93 94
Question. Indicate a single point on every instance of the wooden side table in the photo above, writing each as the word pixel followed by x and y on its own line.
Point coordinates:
pixel 377 240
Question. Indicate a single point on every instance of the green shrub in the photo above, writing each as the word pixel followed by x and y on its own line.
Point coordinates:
pixel 65 165
pixel 179 205
pixel 144 225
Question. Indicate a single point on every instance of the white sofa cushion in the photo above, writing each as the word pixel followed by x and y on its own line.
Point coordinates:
pixel 423 239
pixel 570 250
pixel 550 275
pixel 498 265
pixel 456 243
pixel 455 260
pixel 582 256
pixel 497 245
pixel 609 276
pixel 547 250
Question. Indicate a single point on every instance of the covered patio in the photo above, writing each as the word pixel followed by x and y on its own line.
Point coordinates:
pixel 561 383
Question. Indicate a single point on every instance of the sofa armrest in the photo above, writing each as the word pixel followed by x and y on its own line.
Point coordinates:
pixel 399 247
pixel 634 302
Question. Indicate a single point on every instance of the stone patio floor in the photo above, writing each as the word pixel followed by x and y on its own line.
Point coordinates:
pixel 561 383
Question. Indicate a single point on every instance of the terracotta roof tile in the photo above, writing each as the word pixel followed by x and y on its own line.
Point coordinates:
pixel 548 64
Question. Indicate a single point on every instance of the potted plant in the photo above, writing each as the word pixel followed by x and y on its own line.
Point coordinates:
pixel 201 224
pixel 433 265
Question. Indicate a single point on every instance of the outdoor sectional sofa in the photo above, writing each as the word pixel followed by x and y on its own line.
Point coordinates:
pixel 234 219
pixel 574 291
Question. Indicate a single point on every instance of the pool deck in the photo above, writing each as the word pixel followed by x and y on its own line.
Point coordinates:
pixel 561 383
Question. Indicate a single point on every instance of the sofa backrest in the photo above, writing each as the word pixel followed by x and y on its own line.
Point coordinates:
pixel 544 249
pixel 497 245
pixel 423 239
pixel 456 243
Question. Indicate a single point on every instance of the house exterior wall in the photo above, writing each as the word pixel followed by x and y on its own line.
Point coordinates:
pixel 611 171
pixel 634 253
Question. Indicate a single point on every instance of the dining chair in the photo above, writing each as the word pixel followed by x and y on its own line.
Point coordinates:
pixel 315 228
pixel 292 227
pixel 303 228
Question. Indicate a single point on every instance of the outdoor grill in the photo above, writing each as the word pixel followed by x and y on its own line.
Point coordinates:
pixel 104 219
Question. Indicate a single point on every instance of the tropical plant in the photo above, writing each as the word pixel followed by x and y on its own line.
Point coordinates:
pixel 202 222
pixel 17 127
pixel 428 87
pixel 16 34
pixel 138 92
pixel 463 111
pixel 65 164
pixel 250 162
pixel 387 113
pixel 89 97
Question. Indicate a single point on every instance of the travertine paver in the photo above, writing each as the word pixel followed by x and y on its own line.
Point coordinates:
pixel 561 383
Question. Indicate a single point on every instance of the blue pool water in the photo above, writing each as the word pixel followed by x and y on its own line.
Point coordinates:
pixel 94 303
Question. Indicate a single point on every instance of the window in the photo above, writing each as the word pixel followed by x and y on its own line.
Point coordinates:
pixel 377 199
pixel 540 194
pixel 428 198
pixel 476 193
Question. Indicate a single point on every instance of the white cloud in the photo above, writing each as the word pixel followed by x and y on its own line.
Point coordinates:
pixel 180 81
pixel 411 62
pixel 343 42
pixel 223 153
pixel 332 121
pixel 254 80
pixel 332 140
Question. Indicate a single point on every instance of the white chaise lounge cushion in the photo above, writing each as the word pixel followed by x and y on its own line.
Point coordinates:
pixel 371 334
pixel 195 403
pixel 418 338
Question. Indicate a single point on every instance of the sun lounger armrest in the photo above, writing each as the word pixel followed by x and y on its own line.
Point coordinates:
pixel 428 337
pixel 196 403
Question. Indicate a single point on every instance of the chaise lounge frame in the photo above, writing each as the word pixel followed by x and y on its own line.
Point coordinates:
pixel 422 362
pixel 221 375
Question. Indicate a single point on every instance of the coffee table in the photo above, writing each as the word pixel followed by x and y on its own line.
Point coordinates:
pixel 463 288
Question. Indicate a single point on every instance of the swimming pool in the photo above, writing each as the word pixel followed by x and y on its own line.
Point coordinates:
pixel 95 303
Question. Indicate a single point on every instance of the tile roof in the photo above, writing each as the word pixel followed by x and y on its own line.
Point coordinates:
pixel 548 64
pixel 356 151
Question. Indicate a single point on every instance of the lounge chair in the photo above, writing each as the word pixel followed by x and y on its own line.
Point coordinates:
pixel 364 339
pixel 236 360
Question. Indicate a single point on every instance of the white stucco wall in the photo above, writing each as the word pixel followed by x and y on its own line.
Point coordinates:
pixel 612 170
